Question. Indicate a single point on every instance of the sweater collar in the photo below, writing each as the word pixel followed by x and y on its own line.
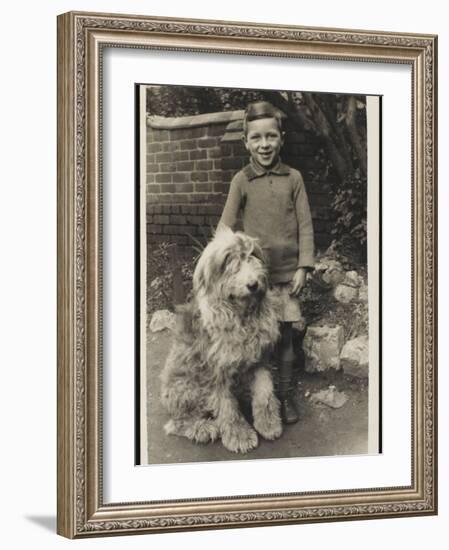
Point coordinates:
pixel 253 170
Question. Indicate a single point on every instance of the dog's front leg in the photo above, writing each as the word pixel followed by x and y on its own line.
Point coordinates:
pixel 265 405
pixel 236 434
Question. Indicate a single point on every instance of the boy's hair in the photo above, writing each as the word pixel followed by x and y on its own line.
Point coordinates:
pixel 258 110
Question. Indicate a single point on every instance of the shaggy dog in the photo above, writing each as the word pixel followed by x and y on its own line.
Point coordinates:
pixel 221 345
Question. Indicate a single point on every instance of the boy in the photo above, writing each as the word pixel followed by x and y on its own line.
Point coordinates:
pixel 272 201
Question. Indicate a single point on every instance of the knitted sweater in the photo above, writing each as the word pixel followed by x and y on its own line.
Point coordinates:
pixel 273 206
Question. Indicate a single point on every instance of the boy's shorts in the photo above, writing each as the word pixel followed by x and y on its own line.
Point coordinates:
pixel 289 308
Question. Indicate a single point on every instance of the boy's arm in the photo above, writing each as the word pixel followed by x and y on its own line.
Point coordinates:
pixel 305 228
pixel 233 204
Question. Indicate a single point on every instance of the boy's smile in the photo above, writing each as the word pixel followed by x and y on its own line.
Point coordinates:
pixel 264 141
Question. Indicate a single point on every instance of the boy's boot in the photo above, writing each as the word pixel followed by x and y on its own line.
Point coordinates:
pixel 289 413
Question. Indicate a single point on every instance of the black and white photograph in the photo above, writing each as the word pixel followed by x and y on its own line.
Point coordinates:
pixel 259 270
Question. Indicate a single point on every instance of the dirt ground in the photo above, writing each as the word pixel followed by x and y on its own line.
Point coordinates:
pixel 321 430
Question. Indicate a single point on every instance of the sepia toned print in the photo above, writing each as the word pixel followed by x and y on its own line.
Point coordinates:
pixel 289 169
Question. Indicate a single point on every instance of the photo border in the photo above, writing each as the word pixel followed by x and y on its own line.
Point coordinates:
pixel 81 39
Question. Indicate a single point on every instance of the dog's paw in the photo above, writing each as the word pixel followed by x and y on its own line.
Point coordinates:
pixel 267 420
pixel 239 437
pixel 203 431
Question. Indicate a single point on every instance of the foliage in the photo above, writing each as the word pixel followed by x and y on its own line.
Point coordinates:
pixel 166 273
pixel 176 101
pixel 350 207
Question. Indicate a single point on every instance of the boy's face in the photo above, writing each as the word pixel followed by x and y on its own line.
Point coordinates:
pixel 264 141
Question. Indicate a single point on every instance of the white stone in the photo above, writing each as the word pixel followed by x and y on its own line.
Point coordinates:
pixel 334 273
pixel 345 294
pixel 354 357
pixel 330 397
pixel 322 347
pixel 161 320
pixel 352 278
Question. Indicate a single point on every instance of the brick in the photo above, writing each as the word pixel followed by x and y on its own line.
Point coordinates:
pixel 212 220
pixel 188 144
pixel 188 209
pixel 167 188
pixel 216 209
pixel 179 197
pixel 178 219
pixel 200 176
pixel 185 166
pixel 164 157
pixel 226 149
pixel 153 198
pixel 153 189
pixel 198 154
pixel 157 239
pixel 167 167
pixel 207 142
pixel 163 178
pixel 180 155
pixel 150 158
pixel 161 135
pixel 178 134
pixel 218 164
pixel 204 164
pixel 171 146
pixel 203 209
pixel 151 178
pixel 215 176
pixel 183 187
pixel 154 228
pixel 161 219
pixel 221 188
pixel 192 231
pixel 203 187
pixel 195 220
pixel 153 168
pixel 197 132
pixel 181 177
pixel 149 218
pixel 214 153
pixel 173 229
pixel 166 208
pixel 216 130
pixel 203 198
pixel 154 147
pixel 175 209
pixel 181 240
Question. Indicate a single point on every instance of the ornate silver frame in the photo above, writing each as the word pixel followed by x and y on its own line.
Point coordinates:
pixel 81 511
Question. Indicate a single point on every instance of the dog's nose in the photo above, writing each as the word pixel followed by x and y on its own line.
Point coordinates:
pixel 253 286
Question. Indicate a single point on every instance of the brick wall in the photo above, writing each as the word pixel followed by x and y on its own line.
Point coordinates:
pixel 190 163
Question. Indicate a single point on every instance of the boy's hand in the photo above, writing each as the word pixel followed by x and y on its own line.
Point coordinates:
pixel 298 281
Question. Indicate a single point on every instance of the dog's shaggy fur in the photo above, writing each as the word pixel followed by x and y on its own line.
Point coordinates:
pixel 223 338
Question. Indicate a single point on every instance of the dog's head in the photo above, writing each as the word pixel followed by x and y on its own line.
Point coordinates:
pixel 232 269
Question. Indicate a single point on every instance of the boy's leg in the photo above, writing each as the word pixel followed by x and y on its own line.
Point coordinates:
pixel 286 361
